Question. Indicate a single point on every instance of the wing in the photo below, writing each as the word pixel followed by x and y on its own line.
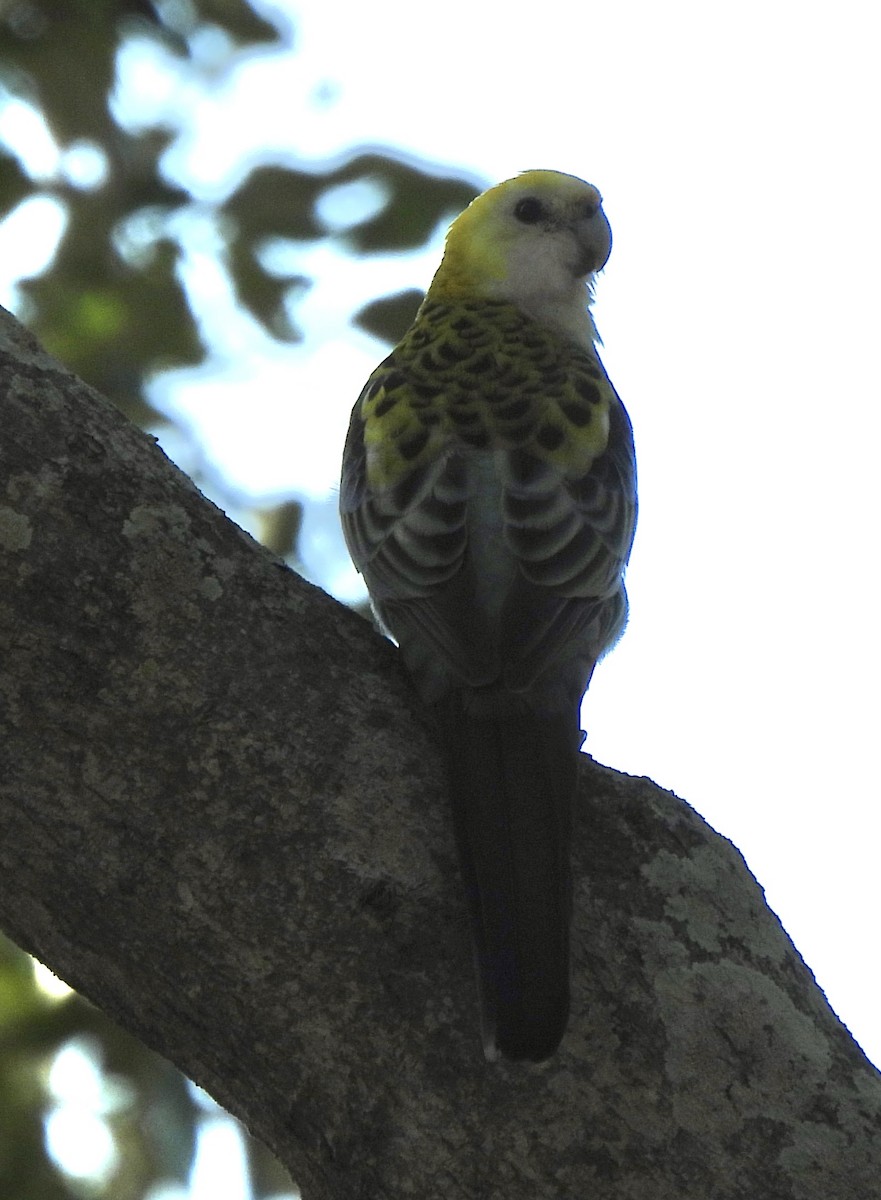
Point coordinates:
pixel 572 539
pixel 408 536
pixel 409 539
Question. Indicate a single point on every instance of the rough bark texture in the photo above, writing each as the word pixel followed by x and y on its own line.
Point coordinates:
pixel 222 819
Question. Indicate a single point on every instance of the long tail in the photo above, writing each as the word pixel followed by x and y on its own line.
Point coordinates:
pixel 513 786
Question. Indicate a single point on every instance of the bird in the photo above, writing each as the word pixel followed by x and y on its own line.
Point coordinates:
pixel 488 498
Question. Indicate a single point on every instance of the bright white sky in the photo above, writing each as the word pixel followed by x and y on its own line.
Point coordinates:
pixel 736 149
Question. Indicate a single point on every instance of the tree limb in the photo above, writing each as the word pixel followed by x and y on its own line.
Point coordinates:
pixel 223 821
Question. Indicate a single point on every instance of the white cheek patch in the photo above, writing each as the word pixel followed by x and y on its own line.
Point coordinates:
pixel 541 266
pixel 539 279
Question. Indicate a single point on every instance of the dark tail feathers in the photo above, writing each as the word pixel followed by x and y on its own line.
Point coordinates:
pixel 513 783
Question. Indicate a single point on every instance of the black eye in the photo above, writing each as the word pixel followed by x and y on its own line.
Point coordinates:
pixel 529 210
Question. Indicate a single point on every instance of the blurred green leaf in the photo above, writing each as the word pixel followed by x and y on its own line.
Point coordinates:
pixel 390 317
pixel 113 324
pixel 278 528
pixel 239 20
pixel 50 40
pixel 14 184
pixel 276 201
pixel 419 200
pixel 280 201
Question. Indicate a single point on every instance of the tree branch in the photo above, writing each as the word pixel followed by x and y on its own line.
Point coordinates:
pixel 223 821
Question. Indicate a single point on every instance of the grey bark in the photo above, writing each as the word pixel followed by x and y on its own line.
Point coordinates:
pixel 222 819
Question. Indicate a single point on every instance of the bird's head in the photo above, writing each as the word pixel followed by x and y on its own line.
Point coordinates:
pixel 535 241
